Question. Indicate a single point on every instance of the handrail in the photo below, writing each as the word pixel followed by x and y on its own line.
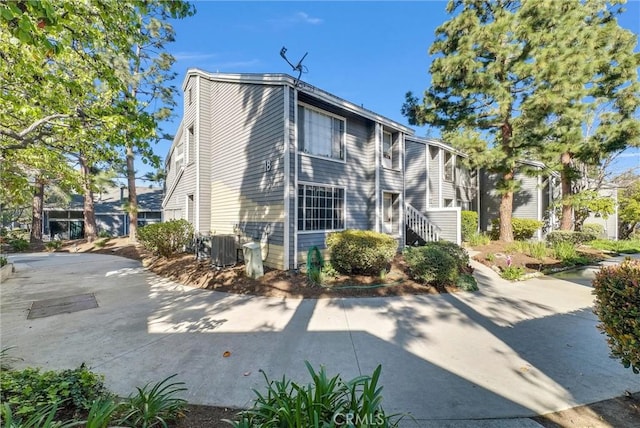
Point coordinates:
pixel 421 225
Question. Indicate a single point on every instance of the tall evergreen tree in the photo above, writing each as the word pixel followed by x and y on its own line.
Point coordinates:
pixel 516 79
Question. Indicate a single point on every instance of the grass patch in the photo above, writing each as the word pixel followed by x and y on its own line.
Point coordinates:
pixel 630 246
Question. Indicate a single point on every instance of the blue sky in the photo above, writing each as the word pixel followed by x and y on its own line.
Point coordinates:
pixel 368 52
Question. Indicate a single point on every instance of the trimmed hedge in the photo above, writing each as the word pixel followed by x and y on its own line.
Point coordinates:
pixel 431 265
pixel 575 238
pixel 523 228
pixel 361 251
pixel 166 239
pixel 468 224
pixel 617 304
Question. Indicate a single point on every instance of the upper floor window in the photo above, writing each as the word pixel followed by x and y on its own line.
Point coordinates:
pixel 178 156
pixel 449 166
pixel 190 145
pixel 390 152
pixel 321 133
pixel 190 96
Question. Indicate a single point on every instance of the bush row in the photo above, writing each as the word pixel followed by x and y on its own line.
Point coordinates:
pixel 166 239
pixel 569 236
pixel 523 228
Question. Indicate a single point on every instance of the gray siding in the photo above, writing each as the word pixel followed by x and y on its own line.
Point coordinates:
pixel 610 224
pixel 247 164
pixel 448 220
pixel 525 200
pixel 356 175
pixel 416 175
pixel 204 154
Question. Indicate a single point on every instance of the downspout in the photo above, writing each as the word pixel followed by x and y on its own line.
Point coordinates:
pixel 539 205
pixel 376 163
pixel 402 227
pixel 196 149
pixel 295 178
pixel 428 182
pixel 286 152
pixel 440 175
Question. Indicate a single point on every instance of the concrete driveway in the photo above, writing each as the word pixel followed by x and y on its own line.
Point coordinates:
pixel 511 350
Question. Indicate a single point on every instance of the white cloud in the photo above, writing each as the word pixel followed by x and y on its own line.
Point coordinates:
pixel 304 17
pixel 193 56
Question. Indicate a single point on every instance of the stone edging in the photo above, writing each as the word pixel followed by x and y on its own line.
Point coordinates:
pixel 6 271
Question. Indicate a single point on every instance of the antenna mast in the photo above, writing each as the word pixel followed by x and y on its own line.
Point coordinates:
pixel 298 67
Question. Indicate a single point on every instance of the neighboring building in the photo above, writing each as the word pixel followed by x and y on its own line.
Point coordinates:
pixel 68 222
pixel 610 224
pixel 439 184
pixel 266 158
pixel 533 200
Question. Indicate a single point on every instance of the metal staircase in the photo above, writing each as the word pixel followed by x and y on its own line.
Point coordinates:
pixel 420 225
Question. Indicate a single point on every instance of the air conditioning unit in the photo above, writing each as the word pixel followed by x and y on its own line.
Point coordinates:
pixel 223 250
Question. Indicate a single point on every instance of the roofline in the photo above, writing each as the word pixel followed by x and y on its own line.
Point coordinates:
pixel 287 80
pixel 438 143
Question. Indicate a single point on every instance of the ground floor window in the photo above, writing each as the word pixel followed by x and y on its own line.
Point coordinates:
pixel 320 207
pixel 391 213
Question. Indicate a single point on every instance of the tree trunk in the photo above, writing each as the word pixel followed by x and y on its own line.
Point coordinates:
pixel 566 217
pixel 133 197
pixel 36 207
pixel 90 228
pixel 506 211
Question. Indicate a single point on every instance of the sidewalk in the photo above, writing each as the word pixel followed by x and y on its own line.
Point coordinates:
pixel 509 351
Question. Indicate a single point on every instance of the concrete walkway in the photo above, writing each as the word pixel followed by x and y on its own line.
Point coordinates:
pixel 509 351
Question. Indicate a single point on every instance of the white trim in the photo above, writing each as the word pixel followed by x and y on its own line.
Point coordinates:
pixel 428 169
pixel 376 163
pixel 403 156
pixel 173 187
pixel 539 205
pixel 196 149
pixel 344 133
pixel 478 198
pixel 286 152
pixel 295 178
pixel 299 86
pixel 440 177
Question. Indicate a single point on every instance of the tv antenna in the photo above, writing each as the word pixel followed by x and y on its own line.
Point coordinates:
pixel 298 67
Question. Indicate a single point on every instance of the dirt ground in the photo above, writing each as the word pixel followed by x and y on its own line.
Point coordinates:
pixel 618 412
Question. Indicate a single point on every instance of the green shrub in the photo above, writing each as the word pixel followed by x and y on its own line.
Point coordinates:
pixel 325 401
pixel 101 243
pixel 516 247
pixel 512 273
pixel 3 261
pixel 523 228
pixel 575 238
pixel 431 265
pixel 361 251
pixel 19 244
pixel 104 234
pixel 53 245
pixel 458 253
pixel 616 304
pixel 468 224
pixel 467 282
pixel 28 391
pixel 477 239
pixel 565 251
pixel 490 257
pixel 154 404
pixel 595 229
pixel 166 239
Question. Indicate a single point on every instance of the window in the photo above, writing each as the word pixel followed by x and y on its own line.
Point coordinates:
pixel 190 96
pixel 320 208
pixel 449 166
pixel 391 213
pixel 448 203
pixel 191 156
pixel 178 156
pixel 321 134
pixel 190 209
